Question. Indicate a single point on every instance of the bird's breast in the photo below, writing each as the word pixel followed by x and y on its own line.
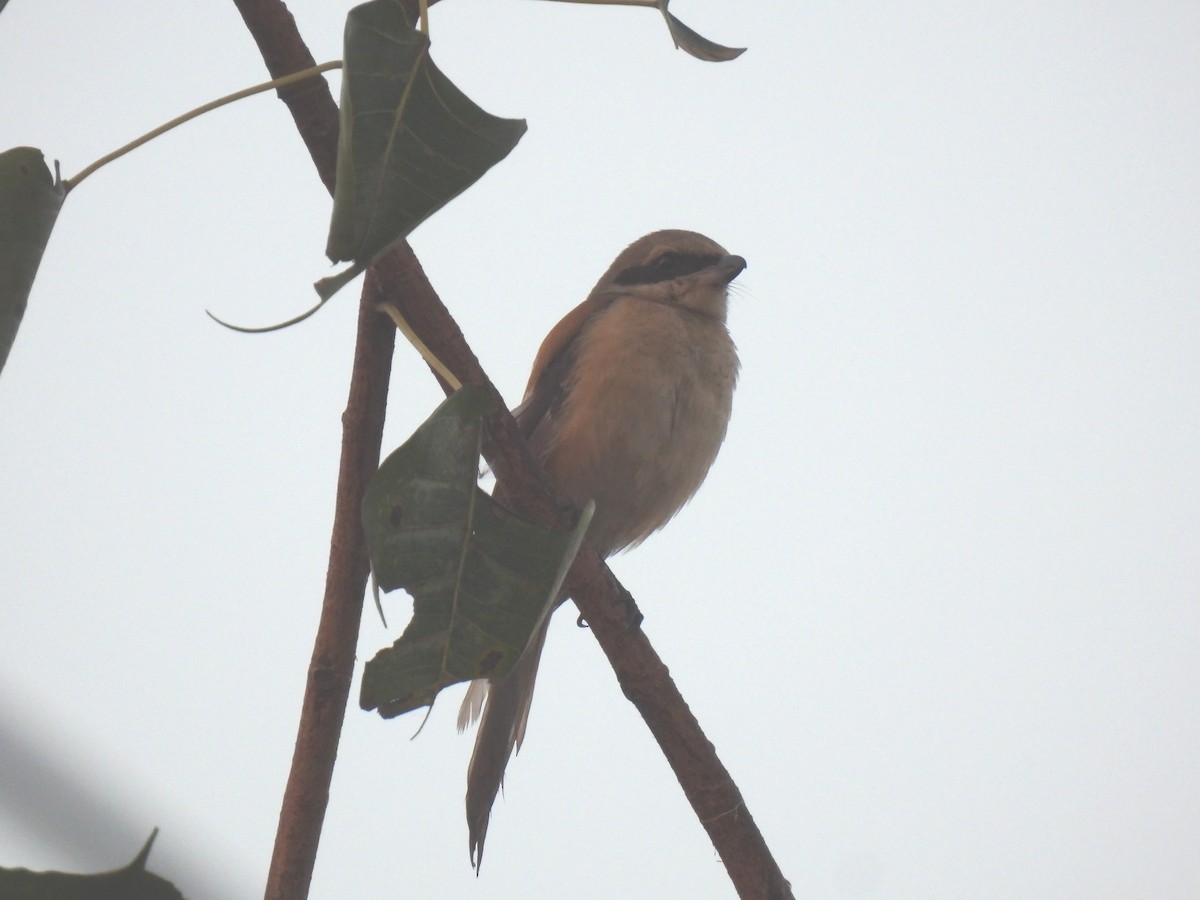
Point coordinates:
pixel 645 410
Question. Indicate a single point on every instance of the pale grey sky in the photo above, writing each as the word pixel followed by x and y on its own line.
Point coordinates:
pixel 938 605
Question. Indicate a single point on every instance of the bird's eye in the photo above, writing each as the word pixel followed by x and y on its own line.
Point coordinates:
pixel 666 266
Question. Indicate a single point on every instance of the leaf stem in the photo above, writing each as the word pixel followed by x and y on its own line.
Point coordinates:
pixel 199 111
pixel 405 329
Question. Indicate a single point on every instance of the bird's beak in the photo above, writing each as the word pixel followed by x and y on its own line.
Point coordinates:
pixel 727 268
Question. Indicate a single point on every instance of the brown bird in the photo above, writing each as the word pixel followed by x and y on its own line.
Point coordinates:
pixel 627 405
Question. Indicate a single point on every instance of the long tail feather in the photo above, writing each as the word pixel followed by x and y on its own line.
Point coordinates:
pixel 501 730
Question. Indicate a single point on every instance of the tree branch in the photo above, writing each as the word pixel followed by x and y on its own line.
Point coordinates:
pixel 601 599
pixel 331 669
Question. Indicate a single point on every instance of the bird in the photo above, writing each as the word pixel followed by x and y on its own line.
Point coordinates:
pixel 627 405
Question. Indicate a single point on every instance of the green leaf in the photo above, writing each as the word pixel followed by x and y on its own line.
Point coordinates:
pixel 130 883
pixel 696 44
pixel 410 141
pixel 30 198
pixel 685 39
pixel 481 578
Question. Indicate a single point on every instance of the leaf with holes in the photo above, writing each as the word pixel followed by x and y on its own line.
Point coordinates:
pixel 481 577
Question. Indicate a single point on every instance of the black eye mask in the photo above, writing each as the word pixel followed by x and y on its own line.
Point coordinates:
pixel 665 267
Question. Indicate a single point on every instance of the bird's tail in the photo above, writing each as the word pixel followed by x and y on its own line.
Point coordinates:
pixel 505 706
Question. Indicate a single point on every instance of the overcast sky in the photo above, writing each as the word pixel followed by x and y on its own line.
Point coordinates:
pixel 938 605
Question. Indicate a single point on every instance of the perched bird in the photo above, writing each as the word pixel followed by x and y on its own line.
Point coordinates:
pixel 627 405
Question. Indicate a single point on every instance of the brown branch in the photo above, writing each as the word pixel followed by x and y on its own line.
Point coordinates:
pixel 706 782
pixel 331 669
pixel 310 102
pixel 601 599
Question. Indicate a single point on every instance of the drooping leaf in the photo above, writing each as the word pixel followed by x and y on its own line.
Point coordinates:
pixel 481 578
pixel 30 198
pixel 410 141
pixel 132 882
pixel 696 44
pixel 685 39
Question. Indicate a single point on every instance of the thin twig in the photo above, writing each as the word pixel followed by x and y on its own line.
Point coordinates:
pixel 72 183
pixel 432 361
